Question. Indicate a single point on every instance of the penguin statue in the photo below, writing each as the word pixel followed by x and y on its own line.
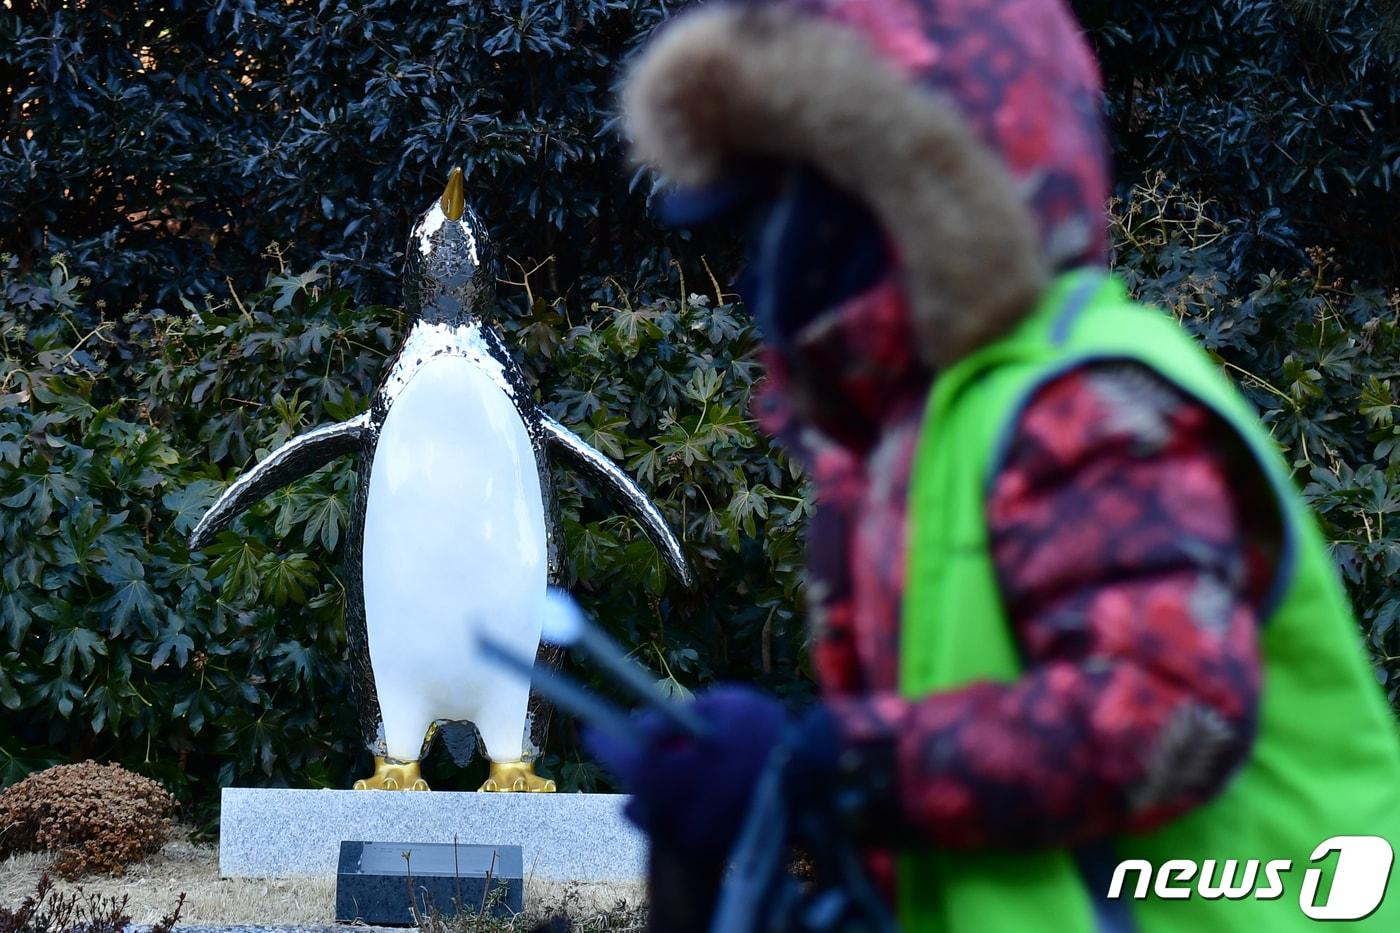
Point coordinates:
pixel 453 528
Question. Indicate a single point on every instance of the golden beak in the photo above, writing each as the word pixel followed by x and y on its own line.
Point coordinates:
pixel 454 201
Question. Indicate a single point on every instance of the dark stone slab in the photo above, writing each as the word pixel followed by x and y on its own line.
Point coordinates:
pixel 385 883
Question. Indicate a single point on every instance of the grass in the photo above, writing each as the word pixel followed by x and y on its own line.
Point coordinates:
pixel 50 910
pixel 153 886
pixel 551 908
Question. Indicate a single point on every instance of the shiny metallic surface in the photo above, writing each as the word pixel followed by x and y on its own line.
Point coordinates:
pixel 518 776
pixel 300 456
pixel 599 468
pixel 448 272
pixel 448 286
pixel 394 775
pixel 427 339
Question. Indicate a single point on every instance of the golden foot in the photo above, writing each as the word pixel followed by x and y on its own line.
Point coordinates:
pixel 517 776
pixel 393 775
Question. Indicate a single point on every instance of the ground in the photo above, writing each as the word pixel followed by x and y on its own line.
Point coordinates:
pixel 154 885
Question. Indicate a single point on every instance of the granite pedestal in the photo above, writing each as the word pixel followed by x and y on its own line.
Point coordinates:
pixel 569 838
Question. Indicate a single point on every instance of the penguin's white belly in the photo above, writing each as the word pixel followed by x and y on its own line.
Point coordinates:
pixel 454 543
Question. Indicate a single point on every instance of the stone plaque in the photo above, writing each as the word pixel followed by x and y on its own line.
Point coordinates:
pixel 397 883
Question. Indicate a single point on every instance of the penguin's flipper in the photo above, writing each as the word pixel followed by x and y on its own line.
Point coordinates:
pixel 601 469
pixel 300 456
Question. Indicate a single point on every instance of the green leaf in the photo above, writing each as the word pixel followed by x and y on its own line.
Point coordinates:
pixel 325 515
pixel 73 646
pixel 188 502
pixel 298 657
pixel 747 505
pixel 132 597
pixel 239 562
pixel 15 617
pixel 41 492
pixel 172 641
pixel 287 578
pixel 9 693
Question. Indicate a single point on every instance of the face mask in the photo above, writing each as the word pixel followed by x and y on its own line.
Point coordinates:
pixel 810 245
pixel 811 248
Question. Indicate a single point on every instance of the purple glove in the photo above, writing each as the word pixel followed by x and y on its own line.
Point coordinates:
pixel 691 794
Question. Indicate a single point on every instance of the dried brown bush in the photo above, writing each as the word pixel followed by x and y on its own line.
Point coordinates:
pixel 91 817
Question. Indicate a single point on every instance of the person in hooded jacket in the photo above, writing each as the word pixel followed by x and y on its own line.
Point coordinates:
pixel 1067 607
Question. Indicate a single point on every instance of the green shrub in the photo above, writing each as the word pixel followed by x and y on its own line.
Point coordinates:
pixel 1320 358
pixel 229 666
pixel 1285 113
pixel 165 143
pixel 129 398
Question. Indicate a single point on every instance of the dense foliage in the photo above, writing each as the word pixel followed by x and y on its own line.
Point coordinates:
pixel 1258 152
pixel 1285 112
pixel 229 665
pixel 1318 355
pixel 202 204
pixel 163 144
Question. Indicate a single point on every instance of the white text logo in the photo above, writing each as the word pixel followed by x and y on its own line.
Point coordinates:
pixel 1359 879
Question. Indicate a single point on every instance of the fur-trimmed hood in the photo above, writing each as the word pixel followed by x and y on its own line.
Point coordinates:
pixel 970 127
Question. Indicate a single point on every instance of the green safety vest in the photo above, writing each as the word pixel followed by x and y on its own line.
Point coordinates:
pixel 1326 758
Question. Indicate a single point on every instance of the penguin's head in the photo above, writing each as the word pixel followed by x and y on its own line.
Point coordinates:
pixel 447 267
